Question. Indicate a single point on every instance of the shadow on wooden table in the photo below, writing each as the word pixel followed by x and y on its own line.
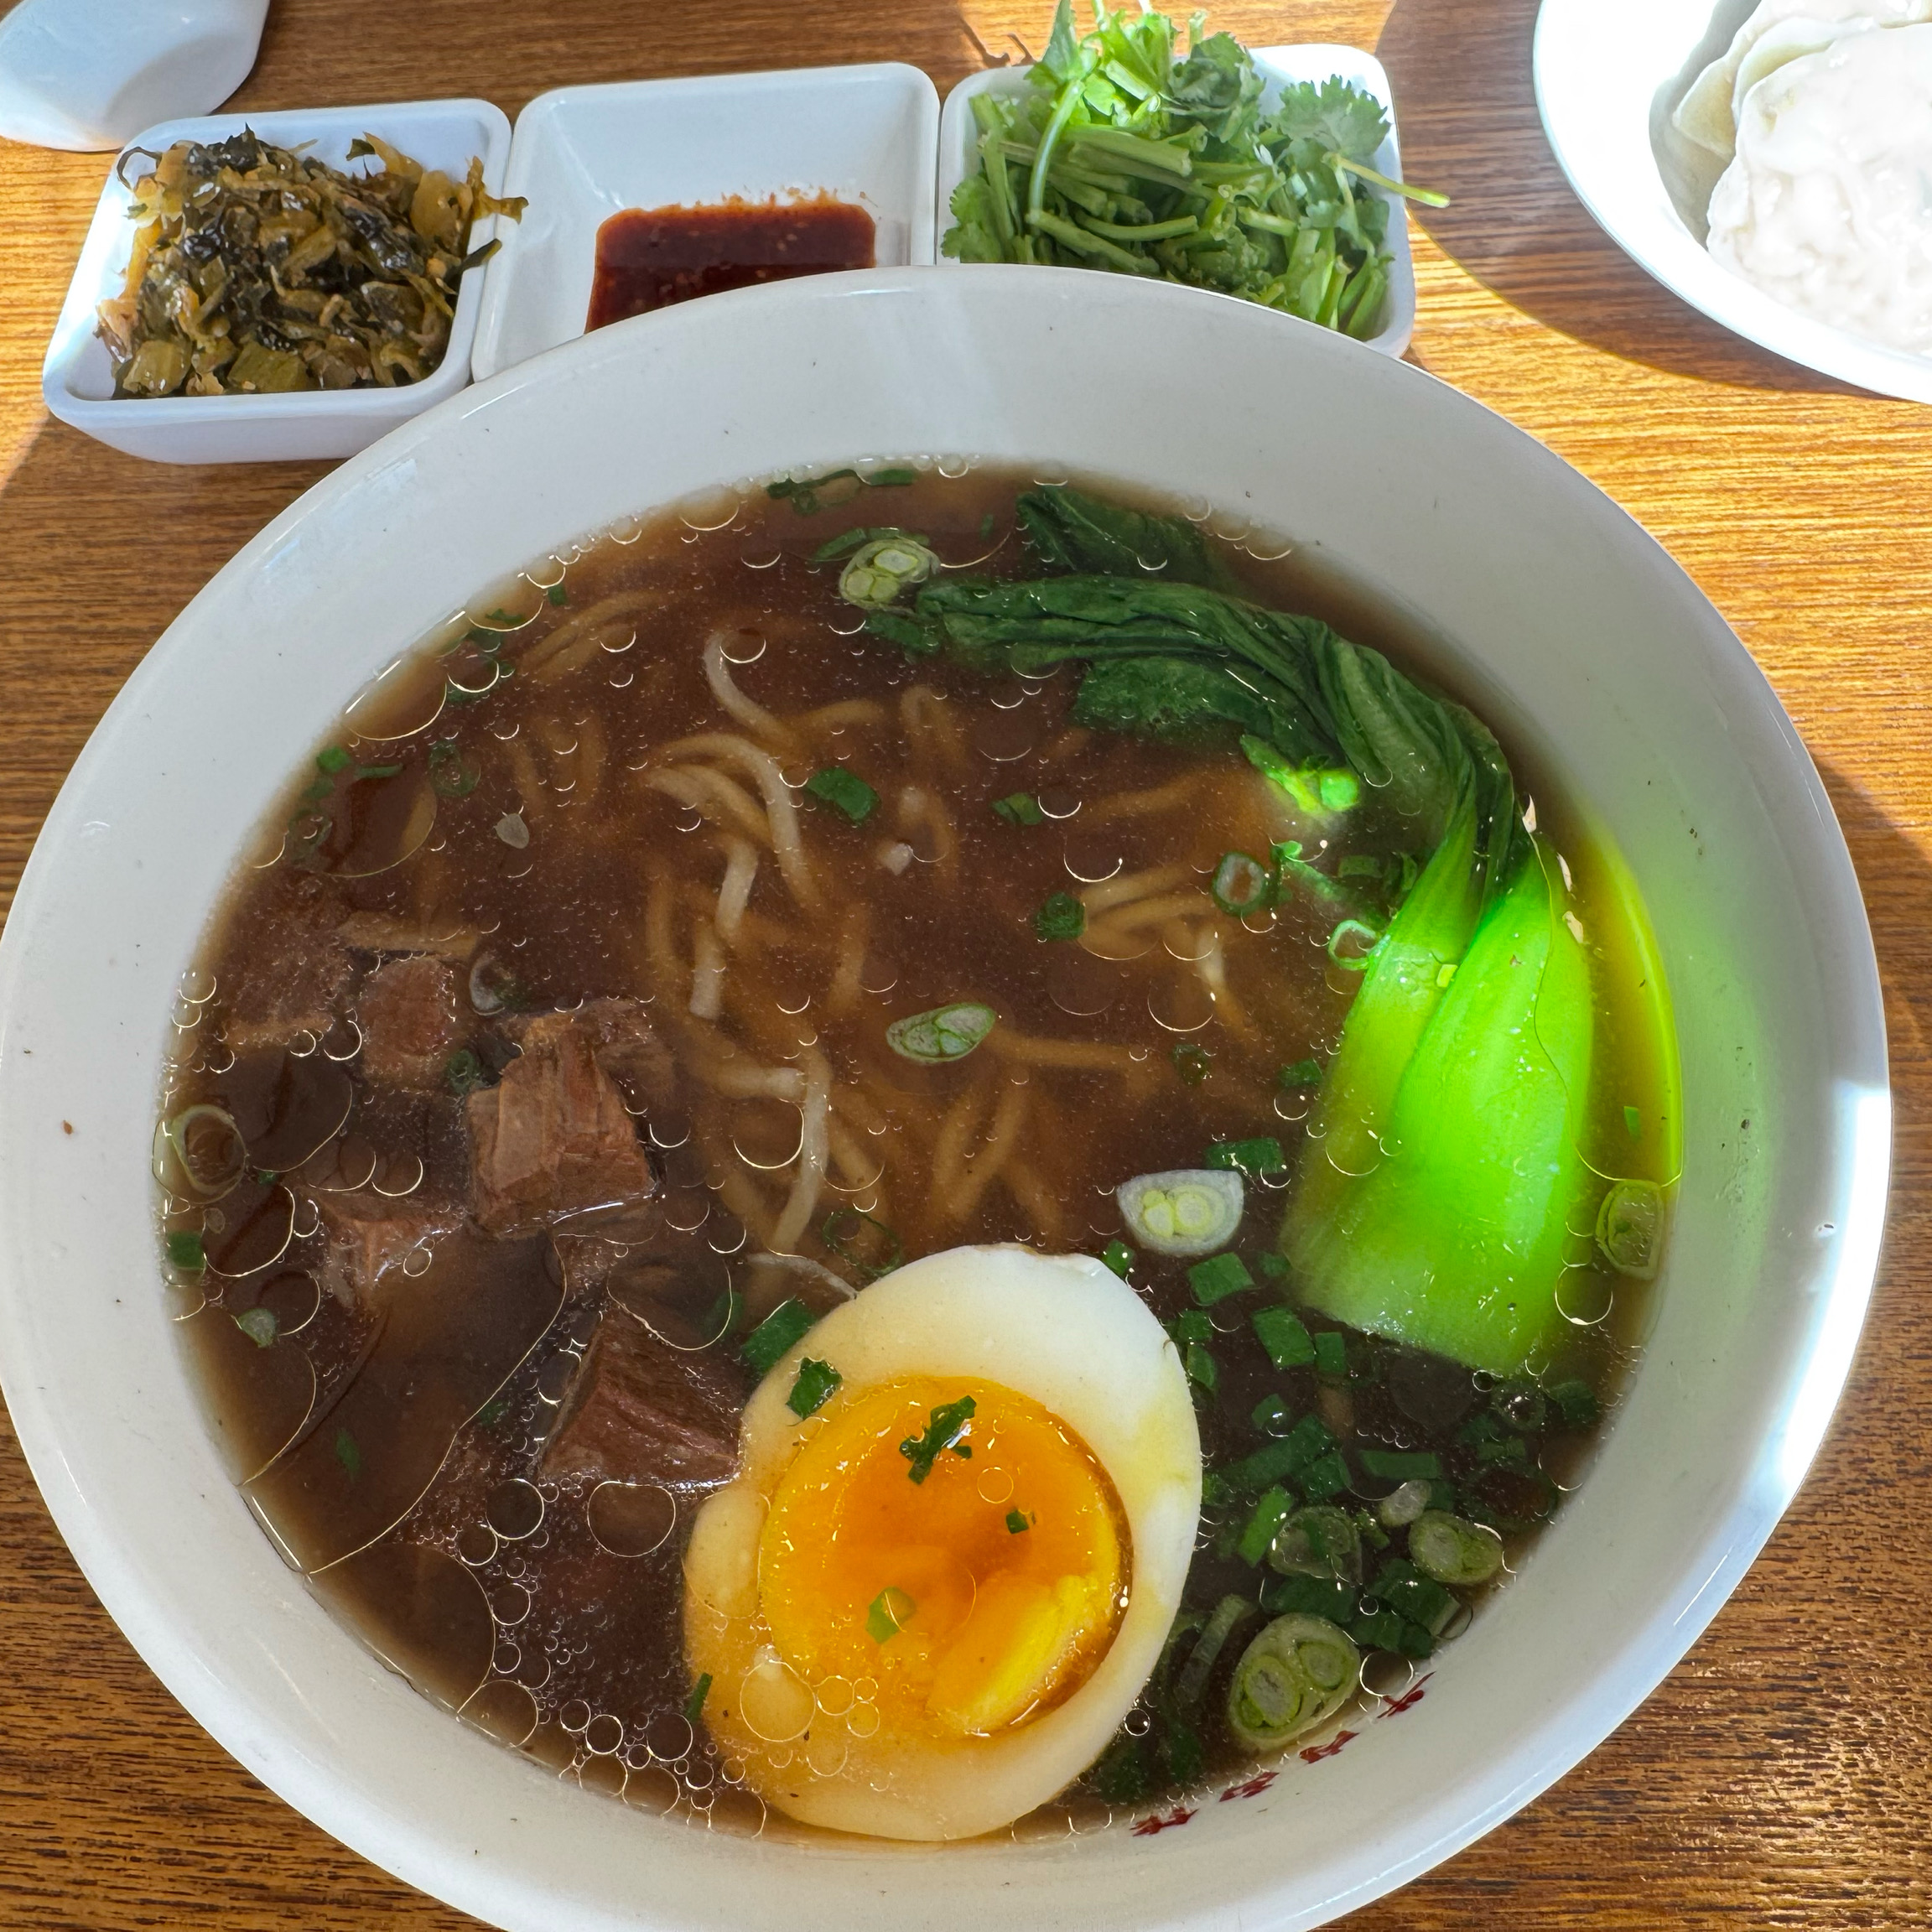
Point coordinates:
pixel 1468 106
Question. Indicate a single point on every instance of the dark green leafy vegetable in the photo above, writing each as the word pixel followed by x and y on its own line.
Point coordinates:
pixel 1119 155
pixel 844 791
pixel 944 1431
pixel 774 1336
pixel 813 1388
pixel 1061 917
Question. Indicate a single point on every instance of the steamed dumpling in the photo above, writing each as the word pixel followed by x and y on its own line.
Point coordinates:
pixel 1778 31
pixel 1824 206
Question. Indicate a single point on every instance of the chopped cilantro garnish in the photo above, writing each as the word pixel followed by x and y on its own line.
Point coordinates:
pixel 695 1703
pixel 1018 1523
pixel 184 1252
pixel 1117 1256
pixel 947 1425
pixel 347 1454
pixel 845 791
pixel 813 1386
pixel 1217 1277
pixel 334 758
pixel 888 1614
pixel 774 1336
pixel 1020 808
pixel 1062 917
pixel 259 1325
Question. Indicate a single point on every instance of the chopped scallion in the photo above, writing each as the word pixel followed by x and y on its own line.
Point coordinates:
pixel 1321 1540
pixel 1353 943
pixel 463 1072
pixel 1331 1354
pixel 1202 1369
pixel 1630 1228
pixel 1302 1074
pixel 1271 1413
pixel 1451 1550
pixel 1192 1062
pixel 862 1241
pixel 1188 1211
pixel 1117 1256
pixel 695 1703
pixel 347 1454
pixel 1262 1155
pixel 777 1334
pixel 1194 1674
pixel 844 791
pixel 944 1427
pixel 1270 1511
pixel 1018 1523
pixel 945 1033
pixel 1062 916
pixel 184 1252
pixel 888 1613
pixel 1325 1476
pixel 1401 1466
pixel 1284 1335
pixel 333 759
pixel 259 1325
pixel 558 594
pixel 1295 1675
pixel 1243 885
pixel 1020 808
pixel 1576 1404
pixel 1218 1278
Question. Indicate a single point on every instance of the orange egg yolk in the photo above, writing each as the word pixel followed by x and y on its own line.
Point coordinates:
pixel 974 1597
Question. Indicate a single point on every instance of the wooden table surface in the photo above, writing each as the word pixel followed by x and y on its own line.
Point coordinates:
pixel 1783 1776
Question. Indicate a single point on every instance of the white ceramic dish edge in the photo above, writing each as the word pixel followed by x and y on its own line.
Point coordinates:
pixel 1315 60
pixel 1599 72
pixel 165 1542
pixel 76 380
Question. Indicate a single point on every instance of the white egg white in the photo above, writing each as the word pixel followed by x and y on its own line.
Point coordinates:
pixel 1069 1333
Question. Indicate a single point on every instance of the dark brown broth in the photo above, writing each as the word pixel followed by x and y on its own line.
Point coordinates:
pixel 378 1449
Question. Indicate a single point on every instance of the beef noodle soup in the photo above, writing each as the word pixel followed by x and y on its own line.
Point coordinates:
pixel 890 1157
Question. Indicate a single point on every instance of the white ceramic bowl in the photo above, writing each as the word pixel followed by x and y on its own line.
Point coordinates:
pixel 1279 67
pixel 1608 79
pixel 1578 633
pixel 77 379
pixel 867 135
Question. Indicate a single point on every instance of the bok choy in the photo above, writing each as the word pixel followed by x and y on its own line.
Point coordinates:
pixel 1443 1173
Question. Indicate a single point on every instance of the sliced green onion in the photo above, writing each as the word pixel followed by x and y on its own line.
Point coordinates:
pixel 1325 1476
pixel 1203 1371
pixel 1331 1354
pixel 1330 1598
pixel 1187 1211
pixel 1018 1523
pixel 1415 1597
pixel 1243 884
pixel 845 791
pixel 1630 1228
pixel 944 1427
pixel 813 1386
pixel 185 1252
pixel 774 1336
pixel 1193 1325
pixel 1062 916
pixel 888 1613
pixel 1284 1335
pixel 1302 1074
pixel 1296 1674
pixel 454 772
pixel 199 1152
pixel 880 569
pixel 463 1072
pixel 1270 1413
pixel 695 1703
pixel 1309 1441
pixel 347 1454
pixel 1271 1509
pixel 1020 808
pixel 883 1250
pixel 259 1325
pixel 1192 1062
pixel 1218 1278
pixel 1353 943
pixel 945 1033
pixel 334 758
pixel 1117 1256
pixel 1452 1550
pixel 1402 1466
pixel 1576 1404
pixel 843 546
pixel 1403 1506
pixel 1262 1155
pixel 1194 1674
pixel 1321 1540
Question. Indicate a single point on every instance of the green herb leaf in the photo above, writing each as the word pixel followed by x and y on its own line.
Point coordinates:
pixel 1020 808
pixel 1062 916
pixel 259 1325
pixel 1334 116
pixel 1192 1062
pixel 888 1613
pixel 813 1386
pixel 695 1703
pixel 845 791
pixel 558 594
pixel 947 1424
pixel 185 1252
pixel 773 1338
pixel 1017 1523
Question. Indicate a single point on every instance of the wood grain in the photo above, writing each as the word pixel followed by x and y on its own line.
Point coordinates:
pixel 1783 1777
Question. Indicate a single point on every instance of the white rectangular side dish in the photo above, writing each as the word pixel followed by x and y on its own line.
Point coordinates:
pixel 1280 67
pixel 77 379
pixel 868 135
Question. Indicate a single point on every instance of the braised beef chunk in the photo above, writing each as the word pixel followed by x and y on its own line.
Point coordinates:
pixel 295 977
pixel 641 1411
pixel 626 1047
pixel 368 1235
pixel 408 1012
pixel 552 1140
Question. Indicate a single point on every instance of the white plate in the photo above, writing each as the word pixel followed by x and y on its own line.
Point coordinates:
pixel 1574 630
pixel 1280 67
pixel 1608 78
pixel 864 134
pixel 77 379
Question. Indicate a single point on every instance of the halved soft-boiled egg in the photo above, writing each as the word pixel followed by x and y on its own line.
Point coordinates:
pixel 925 1606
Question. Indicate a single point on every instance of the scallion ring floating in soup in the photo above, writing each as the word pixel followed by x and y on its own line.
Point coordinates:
pixel 1011 1194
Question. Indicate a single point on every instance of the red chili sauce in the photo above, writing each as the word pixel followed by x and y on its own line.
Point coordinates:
pixel 650 258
